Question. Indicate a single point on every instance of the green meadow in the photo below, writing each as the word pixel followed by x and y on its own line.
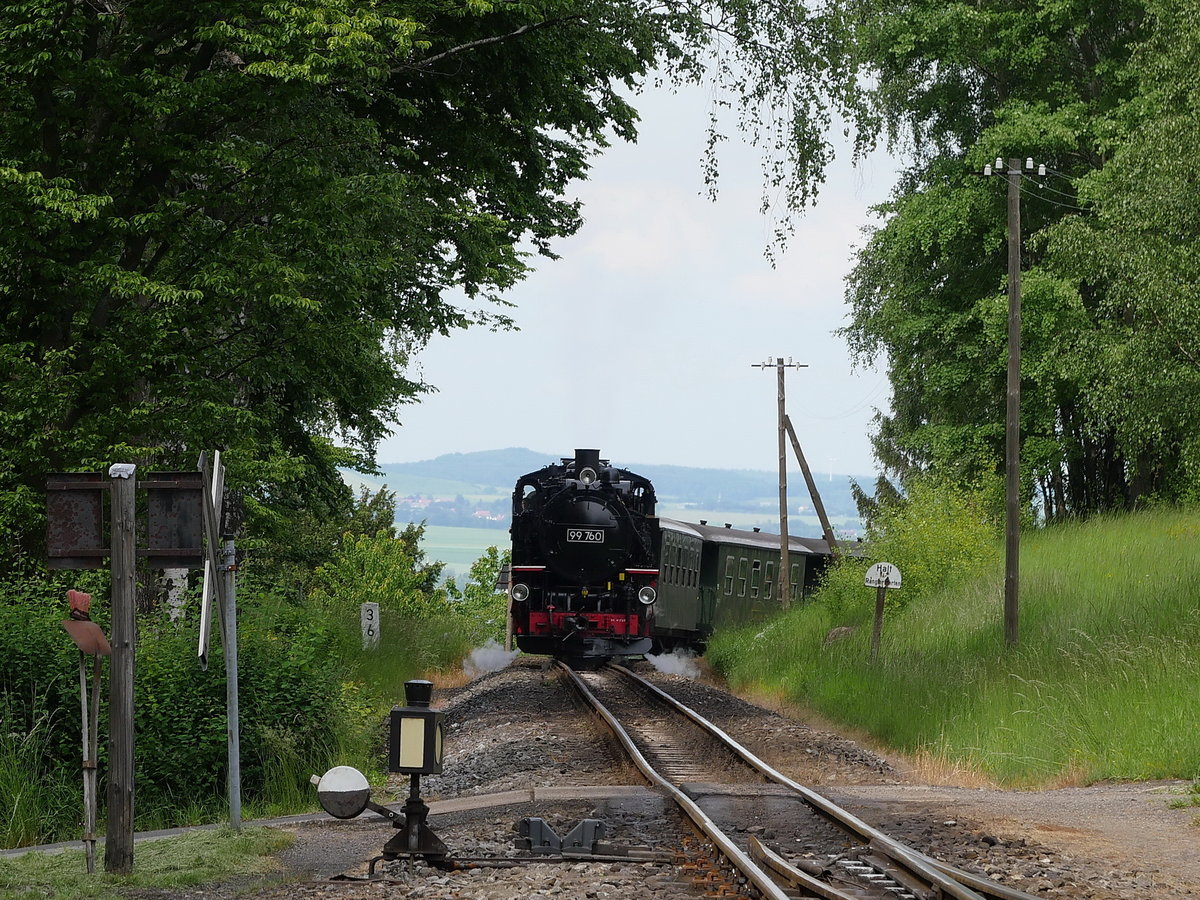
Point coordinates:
pixel 1104 683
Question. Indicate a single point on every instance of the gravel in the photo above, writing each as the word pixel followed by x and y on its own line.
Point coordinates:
pixel 518 730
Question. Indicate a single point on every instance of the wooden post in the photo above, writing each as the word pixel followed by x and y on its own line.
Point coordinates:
pixel 89 764
pixel 1012 420
pixel 877 628
pixel 826 528
pixel 785 573
pixel 882 576
pixel 118 845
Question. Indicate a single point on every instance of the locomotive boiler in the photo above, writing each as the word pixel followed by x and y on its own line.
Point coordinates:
pixel 584 571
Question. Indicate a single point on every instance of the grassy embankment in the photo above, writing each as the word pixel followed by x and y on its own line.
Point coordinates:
pixel 172 864
pixel 1104 684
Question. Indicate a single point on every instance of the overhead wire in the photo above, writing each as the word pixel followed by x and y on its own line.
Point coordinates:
pixel 1029 193
pixel 859 406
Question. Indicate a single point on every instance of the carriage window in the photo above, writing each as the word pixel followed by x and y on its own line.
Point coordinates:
pixel 769 581
pixel 755 577
pixel 743 568
pixel 795 577
pixel 729 564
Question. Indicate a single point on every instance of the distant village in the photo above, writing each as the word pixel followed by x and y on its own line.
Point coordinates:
pixel 459 512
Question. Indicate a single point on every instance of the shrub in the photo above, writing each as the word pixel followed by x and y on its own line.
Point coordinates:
pixel 936 536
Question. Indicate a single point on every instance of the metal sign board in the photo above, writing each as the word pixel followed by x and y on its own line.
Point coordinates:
pixel 211 514
pixel 88 637
pixel 74 520
pixel 883 575
pixel 176 522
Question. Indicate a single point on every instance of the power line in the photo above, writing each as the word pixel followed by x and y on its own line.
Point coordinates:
pixel 1059 203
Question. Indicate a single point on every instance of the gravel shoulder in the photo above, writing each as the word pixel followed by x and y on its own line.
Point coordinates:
pixel 1121 831
pixel 518 730
pixel 1120 840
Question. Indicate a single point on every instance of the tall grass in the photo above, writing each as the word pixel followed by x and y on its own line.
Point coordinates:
pixel 31 790
pixel 373 682
pixel 1102 686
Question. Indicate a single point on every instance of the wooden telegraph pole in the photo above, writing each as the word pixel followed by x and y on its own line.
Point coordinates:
pixel 784 579
pixel 118 844
pixel 1012 413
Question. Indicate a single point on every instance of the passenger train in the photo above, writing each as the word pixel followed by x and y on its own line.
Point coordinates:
pixel 595 574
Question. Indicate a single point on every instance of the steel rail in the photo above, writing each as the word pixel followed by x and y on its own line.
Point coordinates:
pixel 743 863
pixel 789 873
pixel 955 882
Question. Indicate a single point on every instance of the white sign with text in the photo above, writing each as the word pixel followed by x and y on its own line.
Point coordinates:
pixel 883 575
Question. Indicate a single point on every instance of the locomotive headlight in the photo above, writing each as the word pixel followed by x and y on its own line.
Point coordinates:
pixel 647 595
pixel 520 592
pixel 588 475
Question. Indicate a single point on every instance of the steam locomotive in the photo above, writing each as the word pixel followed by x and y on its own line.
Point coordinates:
pixel 596 574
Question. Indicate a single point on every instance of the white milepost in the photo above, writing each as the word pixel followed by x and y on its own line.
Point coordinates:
pixel 370 625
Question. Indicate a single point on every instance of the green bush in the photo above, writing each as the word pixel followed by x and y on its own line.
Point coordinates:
pixel 478 601
pixel 311 696
pixel 40 745
pixel 937 536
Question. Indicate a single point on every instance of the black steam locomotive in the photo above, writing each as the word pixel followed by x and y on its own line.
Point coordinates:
pixel 595 574
pixel 584 560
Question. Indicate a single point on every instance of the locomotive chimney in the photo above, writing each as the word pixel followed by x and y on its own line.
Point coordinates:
pixel 587 459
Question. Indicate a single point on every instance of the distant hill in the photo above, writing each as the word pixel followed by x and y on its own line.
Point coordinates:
pixel 495 469
pixel 458 487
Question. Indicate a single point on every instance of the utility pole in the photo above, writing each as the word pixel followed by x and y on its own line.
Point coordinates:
pixel 1012 416
pixel 784 563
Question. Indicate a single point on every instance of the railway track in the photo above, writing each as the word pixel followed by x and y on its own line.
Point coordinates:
pixel 733 797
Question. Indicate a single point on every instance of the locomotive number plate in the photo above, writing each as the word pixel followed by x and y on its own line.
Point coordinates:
pixel 585 535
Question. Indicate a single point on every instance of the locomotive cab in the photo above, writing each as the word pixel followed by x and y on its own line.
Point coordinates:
pixel 584 560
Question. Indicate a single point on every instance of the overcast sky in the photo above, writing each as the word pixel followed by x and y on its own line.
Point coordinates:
pixel 640 340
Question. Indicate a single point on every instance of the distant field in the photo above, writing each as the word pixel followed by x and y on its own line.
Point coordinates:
pixel 420 486
pixel 458 548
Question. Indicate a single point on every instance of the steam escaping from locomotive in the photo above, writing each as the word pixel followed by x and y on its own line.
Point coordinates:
pixel 677 662
pixel 491 657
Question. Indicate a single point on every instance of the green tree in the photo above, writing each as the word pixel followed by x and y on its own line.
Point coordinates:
pixel 231 224
pixel 478 598
pixel 959 84
pixel 383 568
pixel 1138 256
